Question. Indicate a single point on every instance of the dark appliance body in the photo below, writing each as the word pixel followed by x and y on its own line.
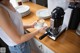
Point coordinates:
pixel 75 15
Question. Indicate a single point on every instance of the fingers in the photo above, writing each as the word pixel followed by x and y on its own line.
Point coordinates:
pixel 34 23
pixel 40 19
pixel 45 27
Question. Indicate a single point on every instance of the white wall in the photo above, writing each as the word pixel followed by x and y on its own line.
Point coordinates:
pixel 60 3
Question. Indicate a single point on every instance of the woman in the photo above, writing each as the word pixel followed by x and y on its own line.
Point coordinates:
pixel 12 30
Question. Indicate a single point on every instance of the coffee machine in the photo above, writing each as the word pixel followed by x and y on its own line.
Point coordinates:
pixel 56 24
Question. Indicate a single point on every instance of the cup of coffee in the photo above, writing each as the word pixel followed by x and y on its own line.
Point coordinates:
pixel 19 2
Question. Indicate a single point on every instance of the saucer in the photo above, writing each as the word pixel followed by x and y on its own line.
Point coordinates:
pixel 23 10
pixel 43 13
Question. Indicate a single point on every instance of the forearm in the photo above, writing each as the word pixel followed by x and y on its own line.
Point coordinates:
pixel 28 36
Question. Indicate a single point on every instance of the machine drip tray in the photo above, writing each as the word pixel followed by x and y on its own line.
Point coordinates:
pixel 54 37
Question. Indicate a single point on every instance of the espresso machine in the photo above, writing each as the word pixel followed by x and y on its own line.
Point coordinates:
pixel 56 24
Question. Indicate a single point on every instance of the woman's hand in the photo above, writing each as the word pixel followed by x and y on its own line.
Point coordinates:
pixel 43 29
pixel 33 24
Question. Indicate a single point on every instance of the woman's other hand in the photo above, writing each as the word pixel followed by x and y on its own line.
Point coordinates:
pixel 33 24
pixel 43 29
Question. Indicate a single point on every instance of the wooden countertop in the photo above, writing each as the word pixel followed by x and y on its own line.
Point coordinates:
pixel 68 42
